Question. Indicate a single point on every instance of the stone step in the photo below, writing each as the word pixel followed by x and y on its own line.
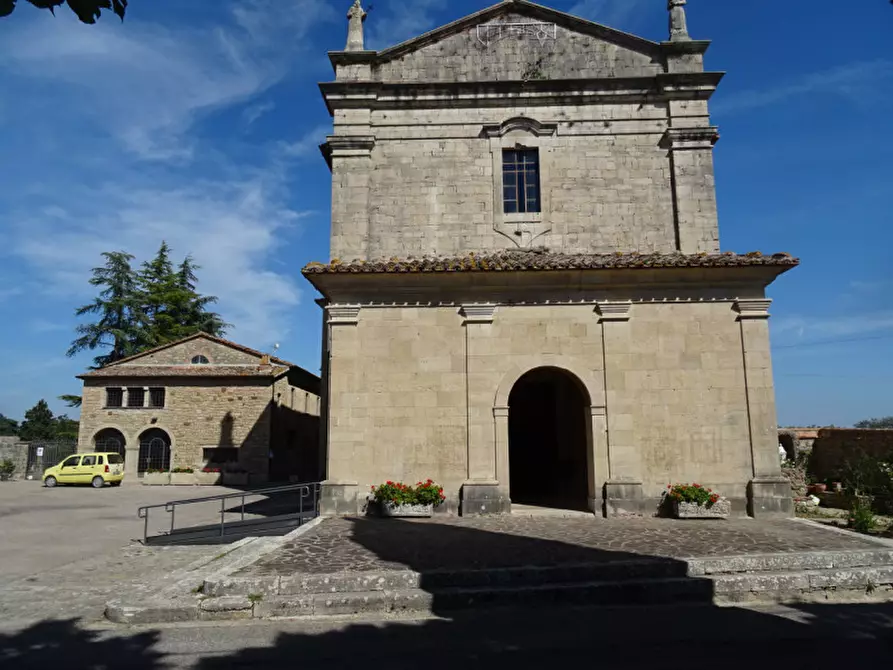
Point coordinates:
pixel 362 582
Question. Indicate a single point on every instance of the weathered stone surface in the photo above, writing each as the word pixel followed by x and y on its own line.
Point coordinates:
pixel 160 612
pixel 722 509
pixel 283 606
pixel 236 587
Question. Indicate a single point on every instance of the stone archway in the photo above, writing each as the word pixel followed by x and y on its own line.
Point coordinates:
pixel 155 450
pixel 110 440
pixel 550 440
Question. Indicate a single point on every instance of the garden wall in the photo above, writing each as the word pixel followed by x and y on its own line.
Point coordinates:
pixel 12 449
pixel 834 446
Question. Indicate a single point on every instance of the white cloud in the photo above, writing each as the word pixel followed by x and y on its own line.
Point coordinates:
pixel 795 329
pixel 253 112
pixel 308 144
pixel 860 83
pixel 403 21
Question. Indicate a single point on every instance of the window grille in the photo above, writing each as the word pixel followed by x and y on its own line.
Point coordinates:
pixel 156 397
pixel 114 397
pixel 521 181
pixel 136 397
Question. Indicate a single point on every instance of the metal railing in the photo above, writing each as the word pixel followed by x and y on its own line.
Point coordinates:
pixel 259 523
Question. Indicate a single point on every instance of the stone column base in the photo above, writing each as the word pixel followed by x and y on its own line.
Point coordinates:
pixel 770 497
pixel 624 499
pixel 339 499
pixel 483 498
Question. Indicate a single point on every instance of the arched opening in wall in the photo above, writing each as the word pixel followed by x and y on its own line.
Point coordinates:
pixel 110 441
pixel 786 440
pixel 548 440
pixel 155 451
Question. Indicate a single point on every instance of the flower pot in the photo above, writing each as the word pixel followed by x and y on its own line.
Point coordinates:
pixel 183 479
pixel 235 479
pixel 208 478
pixel 817 488
pixel 391 510
pixel 157 478
pixel 721 510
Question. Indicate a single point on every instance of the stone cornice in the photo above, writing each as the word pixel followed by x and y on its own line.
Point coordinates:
pixel 343 315
pixel 478 313
pixel 532 126
pixel 686 47
pixel 613 311
pixel 753 308
pixel 427 95
pixel 677 139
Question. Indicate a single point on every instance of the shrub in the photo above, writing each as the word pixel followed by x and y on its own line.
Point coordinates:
pixel 182 471
pixel 7 468
pixel 156 471
pixel 861 518
pixel 398 493
pixel 692 493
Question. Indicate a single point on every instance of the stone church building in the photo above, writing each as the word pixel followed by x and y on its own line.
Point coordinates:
pixel 527 300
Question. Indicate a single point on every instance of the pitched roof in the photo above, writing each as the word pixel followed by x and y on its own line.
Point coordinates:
pixel 211 338
pixel 187 371
pixel 545 261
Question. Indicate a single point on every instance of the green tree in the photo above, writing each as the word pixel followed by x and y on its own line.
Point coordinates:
pixel 884 422
pixel 172 307
pixel 39 423
pixel 65 428
pixel 71 400
pixel 121 323
pixel 87 10
pixel 8 426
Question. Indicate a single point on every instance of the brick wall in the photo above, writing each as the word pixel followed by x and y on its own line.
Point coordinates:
pixel 834 446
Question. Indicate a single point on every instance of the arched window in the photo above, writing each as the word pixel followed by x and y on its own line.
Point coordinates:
pixel 200 360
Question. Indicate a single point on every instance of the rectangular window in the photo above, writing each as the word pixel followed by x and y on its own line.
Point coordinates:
pixel 115 459
pixel 89 460
pixel 521 181
pixel 136 397
pixel 114 397
pixel 156 397
pixel 71 462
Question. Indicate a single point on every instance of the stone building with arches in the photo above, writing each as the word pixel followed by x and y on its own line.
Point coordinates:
pixel 204 401
pixel 526 298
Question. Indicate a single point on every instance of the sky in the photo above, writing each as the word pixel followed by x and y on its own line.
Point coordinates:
pixel 198 123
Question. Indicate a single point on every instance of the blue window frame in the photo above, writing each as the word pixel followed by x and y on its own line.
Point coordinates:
pixel 521 181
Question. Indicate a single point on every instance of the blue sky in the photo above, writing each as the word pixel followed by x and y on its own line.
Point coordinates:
pixel 197 122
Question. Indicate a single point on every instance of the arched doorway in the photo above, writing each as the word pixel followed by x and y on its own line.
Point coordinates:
pixel 548 440
pixel 155 451
pixel 110 441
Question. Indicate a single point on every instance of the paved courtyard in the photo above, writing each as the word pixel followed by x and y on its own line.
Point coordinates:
pixel 66 551
pixel 356 545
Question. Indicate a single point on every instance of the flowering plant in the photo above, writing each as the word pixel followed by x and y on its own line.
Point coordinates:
pixel 693 493
pixel 182 471
pixel 210 469
pixel 156 471
pixel 398 493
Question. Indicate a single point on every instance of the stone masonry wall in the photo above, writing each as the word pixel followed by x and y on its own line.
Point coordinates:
pixel 570 55
pixel 199 413
pixel 834 446
pixel 182 354
pixel 413 391
pixel 12 449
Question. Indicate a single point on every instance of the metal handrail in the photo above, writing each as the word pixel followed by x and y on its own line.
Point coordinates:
pixel 171 506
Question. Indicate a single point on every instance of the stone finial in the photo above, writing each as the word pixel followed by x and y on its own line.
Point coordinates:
pixel 678 22
pixel 356 15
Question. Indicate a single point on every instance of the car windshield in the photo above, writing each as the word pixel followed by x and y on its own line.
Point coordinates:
pixel 115 459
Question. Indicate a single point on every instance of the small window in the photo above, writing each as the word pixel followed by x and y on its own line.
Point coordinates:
pixel 89 460
pixel 99 461
pixel 200 360
pixel 521 181
pixel 115 459
pixel 136 397
pixel 114 397
pixel 71 462
pixel 156 397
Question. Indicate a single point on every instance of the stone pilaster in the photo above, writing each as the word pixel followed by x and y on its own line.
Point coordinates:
pixel 486 490
pixel 350 157
pixel 339 495
pixel 769 494
pixel 694 188
pixel 623 491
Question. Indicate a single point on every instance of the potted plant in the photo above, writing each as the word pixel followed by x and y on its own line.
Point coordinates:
pixel 210 475
pixel 693 501
pixel 235 476
pixel 183 477
pixel 396 499
pixel 156 477
pixel 6 469
pixel 817 488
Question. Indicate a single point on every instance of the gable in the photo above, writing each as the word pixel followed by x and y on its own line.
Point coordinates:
pixel 531 43
pixel 182 353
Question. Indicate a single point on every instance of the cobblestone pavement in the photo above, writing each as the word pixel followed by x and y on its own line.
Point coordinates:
pixel 358 545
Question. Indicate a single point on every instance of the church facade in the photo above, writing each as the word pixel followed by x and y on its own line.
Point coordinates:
pixel 526 299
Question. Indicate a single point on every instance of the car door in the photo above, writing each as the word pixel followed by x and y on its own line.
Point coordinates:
pixel 86 470
pixel 68 470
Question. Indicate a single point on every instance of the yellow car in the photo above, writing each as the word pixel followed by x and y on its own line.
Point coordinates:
pixel 94 469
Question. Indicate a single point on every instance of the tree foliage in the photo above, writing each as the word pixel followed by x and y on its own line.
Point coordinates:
pixel 139 310
pixel 38 423
pixel 87 10
pixel 8 427
pixel 71 400
pixel 883 422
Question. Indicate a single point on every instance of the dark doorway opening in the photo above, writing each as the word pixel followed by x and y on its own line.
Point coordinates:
pixel 155 451
pixel 548 440
pixel 110 440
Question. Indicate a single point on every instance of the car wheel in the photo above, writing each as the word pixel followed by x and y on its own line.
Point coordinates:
pixel 98 482
pixel 50 482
